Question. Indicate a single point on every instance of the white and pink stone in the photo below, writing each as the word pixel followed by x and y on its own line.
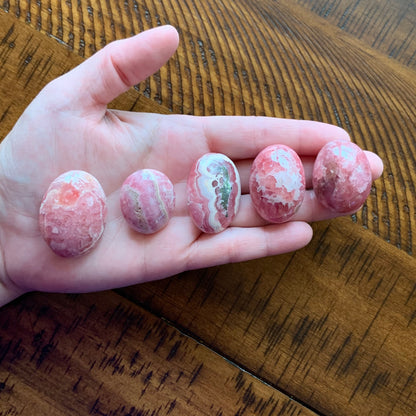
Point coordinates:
pixel 342 176
pixel 147 200
pixel 277 183
pixel 214 191
pixel 72 213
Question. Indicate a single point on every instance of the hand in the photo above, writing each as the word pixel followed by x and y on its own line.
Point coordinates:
pixel 68 126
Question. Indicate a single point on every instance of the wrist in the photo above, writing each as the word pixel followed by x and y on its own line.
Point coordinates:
pixel 8 290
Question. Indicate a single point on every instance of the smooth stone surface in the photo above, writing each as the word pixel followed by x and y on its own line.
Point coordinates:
pixel 147 200
pixel 342 176
pixel 72 213
pixel 277 183
pixel 214 191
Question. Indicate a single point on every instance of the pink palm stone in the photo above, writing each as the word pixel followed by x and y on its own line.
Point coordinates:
pixel 214 191
pixel 277 183
pixel 341 176
pixel 147 200
pixel 72 213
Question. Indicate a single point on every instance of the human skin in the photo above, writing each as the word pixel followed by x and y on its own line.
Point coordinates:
pixel 68 126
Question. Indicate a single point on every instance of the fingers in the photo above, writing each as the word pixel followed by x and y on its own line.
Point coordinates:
pixel 241 244
pixel 310 210
pixel 245 137
pixel 244 168
pixel 118 66
pixel 376 164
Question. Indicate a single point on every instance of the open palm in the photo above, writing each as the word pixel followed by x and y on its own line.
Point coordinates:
pixel 68 126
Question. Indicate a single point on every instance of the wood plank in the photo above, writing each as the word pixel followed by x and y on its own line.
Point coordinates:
pixel 101 355
pixel 388 26
pixel 54 358
pixel 334 324
pixel 307 70
pixel 29 60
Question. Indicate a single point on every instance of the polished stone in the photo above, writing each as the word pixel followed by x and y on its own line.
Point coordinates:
pixel 214 191
pixel 277 183
pixel 147 200
pixel 72 213
pixel 342 176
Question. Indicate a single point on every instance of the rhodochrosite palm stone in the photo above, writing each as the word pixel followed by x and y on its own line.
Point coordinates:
pixel 342 176
pixel 214 192
pixel 147 200
pixel 277 183
pixel 72 213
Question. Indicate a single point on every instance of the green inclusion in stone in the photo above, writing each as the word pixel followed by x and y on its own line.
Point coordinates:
pixel 225 189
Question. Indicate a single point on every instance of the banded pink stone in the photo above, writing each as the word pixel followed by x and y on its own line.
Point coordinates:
pixel 147 200
pixel 214 191
pixel 342 176
pixel 72 213
pixel 277 183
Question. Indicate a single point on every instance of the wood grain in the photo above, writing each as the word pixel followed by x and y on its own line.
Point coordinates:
pixel 333 325
pixel 28 61
pixel 308 69
pixel 100 355
pixel 388 26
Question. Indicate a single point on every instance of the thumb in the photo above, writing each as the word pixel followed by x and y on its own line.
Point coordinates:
pixel 118 66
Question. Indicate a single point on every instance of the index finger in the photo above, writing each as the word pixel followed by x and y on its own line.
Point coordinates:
pixel 243 137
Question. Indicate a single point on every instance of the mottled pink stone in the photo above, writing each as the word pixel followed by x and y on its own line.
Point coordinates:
pixel 277 183
pixel 214 192
pixel 72 213
pixel 342 176
pixel 147 200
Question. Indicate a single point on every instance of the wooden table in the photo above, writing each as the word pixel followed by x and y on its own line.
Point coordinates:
pixel 328 330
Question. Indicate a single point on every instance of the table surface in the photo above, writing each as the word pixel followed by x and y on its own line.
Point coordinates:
pixel 327 330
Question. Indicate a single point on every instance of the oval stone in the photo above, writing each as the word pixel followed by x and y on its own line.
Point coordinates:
pixel 72 213
pixel 214 191
pixel 342 176
pixel 147 200
pixel 277 183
